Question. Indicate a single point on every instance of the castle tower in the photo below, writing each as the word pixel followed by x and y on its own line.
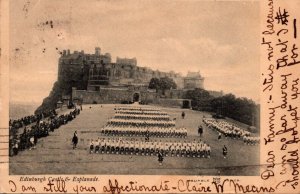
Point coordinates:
pixel 193 80
pixel 97 51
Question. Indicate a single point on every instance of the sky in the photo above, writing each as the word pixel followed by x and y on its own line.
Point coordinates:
pixel 218 38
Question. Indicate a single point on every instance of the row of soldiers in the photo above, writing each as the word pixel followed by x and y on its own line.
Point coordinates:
pixel 229 130
pixel 251 140
pixel 112 130
pixel 140 112
pixel 29 138
pixel 136 108
pixel 140 123
pixel 142 117
pixel 27 120
pixel 153 147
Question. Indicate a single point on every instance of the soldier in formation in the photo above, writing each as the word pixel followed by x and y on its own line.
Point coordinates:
pixel 229 130
pixel 120 130
pixel 151 147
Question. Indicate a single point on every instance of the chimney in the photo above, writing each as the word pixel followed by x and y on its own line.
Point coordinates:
pixel 64 52
pixel 68 52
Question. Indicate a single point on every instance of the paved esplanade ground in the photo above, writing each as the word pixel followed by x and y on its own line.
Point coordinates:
pixel 54 154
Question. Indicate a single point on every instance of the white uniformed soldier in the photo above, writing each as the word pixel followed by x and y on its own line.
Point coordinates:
pixel 152 148
pixel 178 149
pixel 136 147
pixel 97 146
pixel 166 148
pixel 32 146
pixel 113 146
pixel 142 148
pixel 132 144
pixel 208 150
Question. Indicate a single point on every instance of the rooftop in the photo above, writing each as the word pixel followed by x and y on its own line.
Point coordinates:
pixel 191 74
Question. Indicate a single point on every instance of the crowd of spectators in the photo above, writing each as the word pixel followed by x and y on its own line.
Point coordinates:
pixel 27 120
pixel 40 128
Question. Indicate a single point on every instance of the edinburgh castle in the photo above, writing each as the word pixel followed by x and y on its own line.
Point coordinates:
pixel 95 78
pixel 98 70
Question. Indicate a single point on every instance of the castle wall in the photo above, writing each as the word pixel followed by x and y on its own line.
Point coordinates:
pixel 116 95
pixel 169 102
pixel 112 95
pixel 190 83
pixel 174 94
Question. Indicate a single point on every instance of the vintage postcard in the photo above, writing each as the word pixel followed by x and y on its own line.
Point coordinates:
pixel 145 96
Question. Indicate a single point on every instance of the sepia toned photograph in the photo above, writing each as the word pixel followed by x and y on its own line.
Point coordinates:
pixel 134 87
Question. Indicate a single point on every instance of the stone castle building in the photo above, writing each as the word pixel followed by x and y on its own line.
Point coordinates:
pixel 102 80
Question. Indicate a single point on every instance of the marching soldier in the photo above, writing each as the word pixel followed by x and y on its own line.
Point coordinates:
pixel 200 130
pixel 219 136
pixel 182 114
pixel 160 158
pixel 75 140
pixel 225 151
pixel 91 146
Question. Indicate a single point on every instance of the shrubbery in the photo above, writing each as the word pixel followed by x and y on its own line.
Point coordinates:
pixel 164 83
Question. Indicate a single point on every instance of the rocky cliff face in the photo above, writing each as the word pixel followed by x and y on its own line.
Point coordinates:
pixel 70 75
